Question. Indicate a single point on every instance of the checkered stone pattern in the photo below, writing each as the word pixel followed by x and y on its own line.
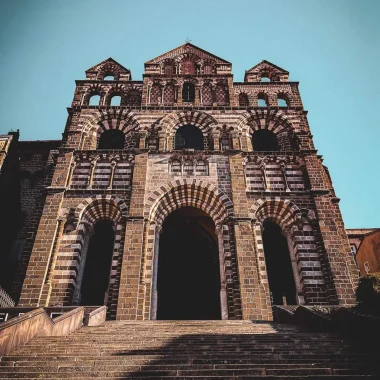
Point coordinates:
pixel 155 94
pixel 207 95
pixel 254 177
pixel 221 95
pixel 169 95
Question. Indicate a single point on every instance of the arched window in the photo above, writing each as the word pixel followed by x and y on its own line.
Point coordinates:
pixel 176 167
pixel 243 100
pixel 265 78
pixel 281 101
pixel 201 168
pixel 94 100
pixel 112 139
pixel 109 77
pixel 188 92
pixel 262 100
pixel 264 140
pixel 189 137
pixel 116 100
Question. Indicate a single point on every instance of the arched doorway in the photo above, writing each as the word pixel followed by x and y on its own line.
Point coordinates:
pixel 97 269
pixel 189 283
pixel 279 267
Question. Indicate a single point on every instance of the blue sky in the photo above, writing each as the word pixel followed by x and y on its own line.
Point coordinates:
pixel 332 47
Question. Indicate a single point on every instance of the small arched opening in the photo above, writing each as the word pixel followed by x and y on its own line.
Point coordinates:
pixel 109 77
pixel 188 92
pixel 94 100
pixel 282 101
pixel 188 283
pixel 264 140
pixel 189 137
pixel 116 100
pixel 278 264
pixel 262 100
pixel 96 276
pixel 112 139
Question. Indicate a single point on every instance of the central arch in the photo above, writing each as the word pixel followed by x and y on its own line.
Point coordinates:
pixel 167 209
pixel 188 267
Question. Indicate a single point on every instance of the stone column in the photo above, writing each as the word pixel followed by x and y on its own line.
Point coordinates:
pixel 235 141
pixel 216 140
pixel 223 290
pixel 142 139
pixel 154 293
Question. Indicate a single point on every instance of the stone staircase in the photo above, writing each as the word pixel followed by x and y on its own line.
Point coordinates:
pixel 191 349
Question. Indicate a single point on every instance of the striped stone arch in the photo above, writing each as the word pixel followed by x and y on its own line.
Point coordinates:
pixel 281 211
pixel 94 124
pixel 202 120
pixel 188 192
pixel 274 120
pixel 101 207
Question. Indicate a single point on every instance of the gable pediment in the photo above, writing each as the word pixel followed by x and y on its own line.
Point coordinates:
pixel 108 67
pixel 188 52
pixel 268 69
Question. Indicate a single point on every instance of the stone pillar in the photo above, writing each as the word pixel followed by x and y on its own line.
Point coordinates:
pixel 197 100
pixel 42 250
pixel 154 294
pixel 223 287
pixel 216 140
pixel 179 98
pixel 161 141
pixel 131 298
pixel 142 139
pixel 235 141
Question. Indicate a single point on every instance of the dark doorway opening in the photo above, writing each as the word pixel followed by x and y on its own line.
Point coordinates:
pixel 97 269
pixel 279 267
pixel 188 267
pixel 189 137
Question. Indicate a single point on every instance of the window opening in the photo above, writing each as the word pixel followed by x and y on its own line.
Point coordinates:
pixel 112 139
pixel 94 100
pixel 188 92
pixel 189 137
pixel 116 100
pixel 264 140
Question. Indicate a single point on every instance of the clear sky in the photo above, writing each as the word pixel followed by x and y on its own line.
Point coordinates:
pixel 332 47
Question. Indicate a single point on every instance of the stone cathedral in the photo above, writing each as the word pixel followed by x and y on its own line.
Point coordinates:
pixel 182 196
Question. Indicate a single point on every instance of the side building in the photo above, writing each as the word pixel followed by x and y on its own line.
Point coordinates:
pixel 187 196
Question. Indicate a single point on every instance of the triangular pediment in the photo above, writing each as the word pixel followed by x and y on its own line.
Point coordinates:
pixel 266 65
pixel 267 69
pixel 188 48
pixel 108 67
pixel 108 62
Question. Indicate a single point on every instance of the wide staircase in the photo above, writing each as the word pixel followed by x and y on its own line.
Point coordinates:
pixel 191 349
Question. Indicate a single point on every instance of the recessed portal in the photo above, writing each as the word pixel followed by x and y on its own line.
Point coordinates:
pixel 98 264
pixel 279 267
pixel 188 267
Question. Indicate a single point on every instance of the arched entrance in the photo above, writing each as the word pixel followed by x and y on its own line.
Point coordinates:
pixel 97 268
pixel 279 268
pixel 188 283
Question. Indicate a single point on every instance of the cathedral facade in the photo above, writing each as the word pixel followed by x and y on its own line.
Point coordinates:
pixel 186 196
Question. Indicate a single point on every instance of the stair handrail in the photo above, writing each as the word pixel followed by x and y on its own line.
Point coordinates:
pixel 20 330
